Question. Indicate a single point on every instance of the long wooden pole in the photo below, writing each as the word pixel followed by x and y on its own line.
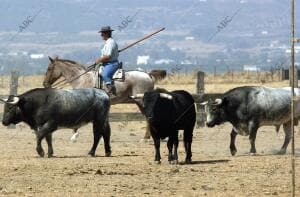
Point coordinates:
pixel 140 40
pixel 293 93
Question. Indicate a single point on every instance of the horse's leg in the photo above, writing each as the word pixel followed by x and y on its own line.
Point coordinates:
pixel 147 134
pixel 75 135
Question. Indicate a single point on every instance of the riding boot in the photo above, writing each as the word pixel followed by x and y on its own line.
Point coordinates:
pixel 111 89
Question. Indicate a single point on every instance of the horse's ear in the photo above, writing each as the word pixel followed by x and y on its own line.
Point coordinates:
pixel 51 60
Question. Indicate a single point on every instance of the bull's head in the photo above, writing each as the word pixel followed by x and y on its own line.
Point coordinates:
pixel 214 112
pixel 150 102
pixel 11 113
pixel 53 73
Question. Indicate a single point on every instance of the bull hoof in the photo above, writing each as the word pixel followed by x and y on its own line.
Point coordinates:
pixel 233 152
pixel 188 161
pixel 281 152
pixel 41 153
pixel 108 154
pixel 253 154
pixel 92 153
pixel 157 162
pixel 50 155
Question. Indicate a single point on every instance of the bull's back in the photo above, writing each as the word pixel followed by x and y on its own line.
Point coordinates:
pixel 185 108
pixel 269 106
pixel 68 107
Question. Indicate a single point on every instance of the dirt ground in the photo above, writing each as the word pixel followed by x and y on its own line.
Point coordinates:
pixel 130 170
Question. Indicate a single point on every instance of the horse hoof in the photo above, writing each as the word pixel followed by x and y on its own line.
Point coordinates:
pixel 253 154
pixel 74 137
pixel 174 162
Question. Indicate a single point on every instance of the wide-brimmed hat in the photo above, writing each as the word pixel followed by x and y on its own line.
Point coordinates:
pixel 105 29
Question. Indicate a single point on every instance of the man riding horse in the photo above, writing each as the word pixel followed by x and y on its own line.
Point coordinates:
pixel 109 58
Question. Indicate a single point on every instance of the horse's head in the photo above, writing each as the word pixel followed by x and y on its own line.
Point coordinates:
pixel 53 73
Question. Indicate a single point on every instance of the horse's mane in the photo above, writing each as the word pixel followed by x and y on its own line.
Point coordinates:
pixel 71 62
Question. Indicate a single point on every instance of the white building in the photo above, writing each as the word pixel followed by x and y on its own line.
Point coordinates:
pixel 143 59
pixel 163 61
pixel 251 68
pixel 37 56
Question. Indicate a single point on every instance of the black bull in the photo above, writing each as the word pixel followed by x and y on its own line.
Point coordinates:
pixel 46 110
pixel 168 112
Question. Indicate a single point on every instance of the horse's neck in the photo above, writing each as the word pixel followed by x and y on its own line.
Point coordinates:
pixel 69 72
pixel 77 76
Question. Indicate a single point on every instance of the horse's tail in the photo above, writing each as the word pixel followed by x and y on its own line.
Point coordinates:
pixel 158 75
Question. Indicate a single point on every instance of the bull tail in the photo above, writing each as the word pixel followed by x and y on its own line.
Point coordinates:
pixel 157 75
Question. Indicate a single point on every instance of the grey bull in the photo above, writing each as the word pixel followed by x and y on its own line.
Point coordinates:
pixel 46 110
pixel 248 108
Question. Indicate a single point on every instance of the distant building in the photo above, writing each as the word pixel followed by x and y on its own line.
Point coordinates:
pixel 186 62
pixel 12 54
pixel 251 68
pixel 143 59
pixel 37 56
pixel 25 53
pixel 189 38
pixel 163 61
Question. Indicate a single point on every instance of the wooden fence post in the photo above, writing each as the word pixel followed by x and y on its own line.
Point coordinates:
pixel 13 88
pixel 201 118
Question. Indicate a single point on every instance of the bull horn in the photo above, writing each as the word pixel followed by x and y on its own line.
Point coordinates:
pixel 137 96
pixel 218 101
pixel 14 102
pixel 204 103
pixel 165 95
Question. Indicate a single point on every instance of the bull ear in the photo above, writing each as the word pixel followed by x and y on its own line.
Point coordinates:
pixel 137 96
pixel 218 101
pixel 165 95
pixel 13 102
pixel 51 60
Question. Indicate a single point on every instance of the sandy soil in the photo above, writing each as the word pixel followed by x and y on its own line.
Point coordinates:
pixel 130 170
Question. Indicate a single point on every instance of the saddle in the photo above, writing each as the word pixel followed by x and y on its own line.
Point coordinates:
pixel 119 75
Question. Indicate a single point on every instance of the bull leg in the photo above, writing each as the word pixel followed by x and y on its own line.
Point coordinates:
pixel 157 151
pixel 49 142
pixel 106 137
pixel 233 135
pixel 97 135
pixel 288 136
pixel 187 139
pixel 176 148
pixel 170 148
pixel 46 129
pixel 253 130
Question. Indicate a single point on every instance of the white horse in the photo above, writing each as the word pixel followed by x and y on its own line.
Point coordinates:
pixel 135 82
